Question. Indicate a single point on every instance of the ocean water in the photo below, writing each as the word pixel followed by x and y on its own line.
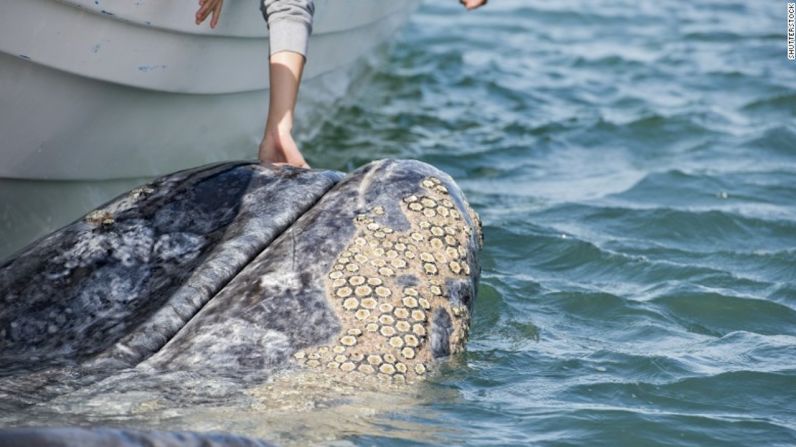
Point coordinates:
pixel 634 164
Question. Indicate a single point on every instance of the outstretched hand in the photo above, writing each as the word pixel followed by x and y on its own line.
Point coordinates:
pixel 473 4
pixel 207 7
pixel 279 148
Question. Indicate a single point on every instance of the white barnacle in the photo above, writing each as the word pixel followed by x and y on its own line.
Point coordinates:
pixel 430 268
pixel 396 342
pixel 362 291
pixel 427 257
pixel 348 340
pixel 398 263
pixel 409 301
pixel 410 291
pixel 428 202
pixel 383 292
pixel 385 307
pixel 455 267
pixel 375 281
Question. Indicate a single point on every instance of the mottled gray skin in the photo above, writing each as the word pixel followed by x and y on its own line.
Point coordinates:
pixel 219 270
pixel 277 304
pixel 107 437
pixel 111 294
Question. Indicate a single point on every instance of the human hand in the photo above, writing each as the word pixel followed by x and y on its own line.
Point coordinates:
pixel 279 147
pixel 473 4
pixel 206 7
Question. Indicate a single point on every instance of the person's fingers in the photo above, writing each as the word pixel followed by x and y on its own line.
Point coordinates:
pixel 216 14
pixel 204 5
pixel 203 12
pixel 473 4
pixel 293 153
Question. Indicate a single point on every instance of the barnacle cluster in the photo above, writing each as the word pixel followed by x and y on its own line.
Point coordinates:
pixel 386 286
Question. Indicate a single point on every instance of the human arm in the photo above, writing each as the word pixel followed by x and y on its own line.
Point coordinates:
pixel 278 146
pixel 290 25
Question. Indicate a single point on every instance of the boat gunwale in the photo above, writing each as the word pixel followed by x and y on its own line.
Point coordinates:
pixel 143 86
pixel 320 26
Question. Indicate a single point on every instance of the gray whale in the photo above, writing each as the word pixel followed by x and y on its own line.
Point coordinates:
pixel 107 437
pixel 236 268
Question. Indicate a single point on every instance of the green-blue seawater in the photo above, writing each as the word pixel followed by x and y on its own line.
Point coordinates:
pixel 634 164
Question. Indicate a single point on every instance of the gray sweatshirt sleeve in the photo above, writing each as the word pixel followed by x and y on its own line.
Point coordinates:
pixel 290 24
